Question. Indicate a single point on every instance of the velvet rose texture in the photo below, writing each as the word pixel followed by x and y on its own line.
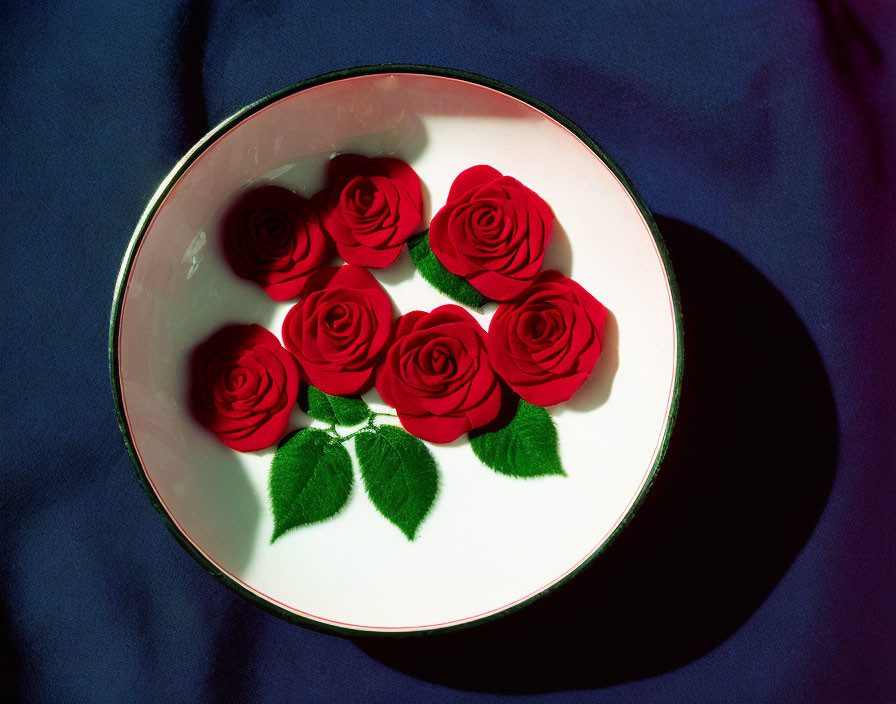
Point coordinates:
pixel 493 231
pixel 437 375
pixel 244 386
pixel 273 237
pixel 371 207
pixel 339 330
pixel 546 342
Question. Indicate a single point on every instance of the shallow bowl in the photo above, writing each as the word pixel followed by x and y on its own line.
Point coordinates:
pixel 491 543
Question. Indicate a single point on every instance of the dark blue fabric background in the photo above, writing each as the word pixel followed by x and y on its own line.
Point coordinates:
pixel 763 132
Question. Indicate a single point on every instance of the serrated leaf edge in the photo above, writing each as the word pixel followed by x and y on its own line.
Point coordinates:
pixel 413 534
pixel 559 465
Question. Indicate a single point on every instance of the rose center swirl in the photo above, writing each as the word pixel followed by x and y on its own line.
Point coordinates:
pixel 269 233
pixel 338 318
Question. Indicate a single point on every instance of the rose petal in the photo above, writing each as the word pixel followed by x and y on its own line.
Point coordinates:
pixel 496 286
pixel 368 256
pixel 471 178
pixel 372 206
pixel 243 386
pixel 405 178
pixel 437 429
pixel 545 372
pixel 273 237
pixel 340 330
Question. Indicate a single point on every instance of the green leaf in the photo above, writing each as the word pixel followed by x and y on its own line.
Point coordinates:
pixel 525 447
pixel 338 410
pixel 311 479
pixel 399 474
pixel 452 285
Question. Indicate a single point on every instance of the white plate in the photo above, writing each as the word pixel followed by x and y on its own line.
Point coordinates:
pixel 491 542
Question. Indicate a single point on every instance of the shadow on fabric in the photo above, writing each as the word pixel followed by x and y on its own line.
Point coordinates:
pixel 747 474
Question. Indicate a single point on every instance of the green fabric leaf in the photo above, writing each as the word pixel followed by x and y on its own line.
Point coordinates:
pixel 452 285
pixel 399 474
pixel 525 447
pixel 311 479
pixel 338 410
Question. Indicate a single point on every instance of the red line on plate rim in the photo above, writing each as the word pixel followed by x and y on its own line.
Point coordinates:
pixel 398 629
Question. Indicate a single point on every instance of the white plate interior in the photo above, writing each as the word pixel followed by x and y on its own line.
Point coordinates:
pixel 490 541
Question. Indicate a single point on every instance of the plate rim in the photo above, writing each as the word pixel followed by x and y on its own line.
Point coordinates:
pixel 222 128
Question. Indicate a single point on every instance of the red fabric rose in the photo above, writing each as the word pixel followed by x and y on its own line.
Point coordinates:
pixel 437 375
pixel 493 231
pixel 339 330
pixel 243 386
pixel 545 343
pixel 372 207
pixel 273 237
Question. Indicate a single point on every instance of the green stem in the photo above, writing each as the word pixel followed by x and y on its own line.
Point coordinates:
pixel 365 429
pixel 370 427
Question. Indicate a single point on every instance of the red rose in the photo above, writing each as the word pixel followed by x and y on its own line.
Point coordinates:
pixel 493 231
pixel 243 386
pixel 273 237
pixel 437 375
pixel 545 343
pixel 372 207
pixel 339 331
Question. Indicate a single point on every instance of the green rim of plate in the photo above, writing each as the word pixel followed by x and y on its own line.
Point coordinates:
pixel 212 136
